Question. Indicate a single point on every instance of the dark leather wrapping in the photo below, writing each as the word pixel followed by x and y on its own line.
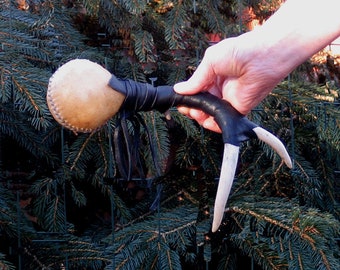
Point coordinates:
pixel 235 127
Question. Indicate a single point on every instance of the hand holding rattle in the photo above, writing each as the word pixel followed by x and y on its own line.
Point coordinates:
pixel 82 96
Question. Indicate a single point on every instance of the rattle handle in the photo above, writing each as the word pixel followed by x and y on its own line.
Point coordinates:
pixel 235 127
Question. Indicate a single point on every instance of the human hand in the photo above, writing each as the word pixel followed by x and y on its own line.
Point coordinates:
pixel 235 70
pixel 244 69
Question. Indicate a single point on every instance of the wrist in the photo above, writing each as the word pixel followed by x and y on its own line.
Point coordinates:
pixel 299 29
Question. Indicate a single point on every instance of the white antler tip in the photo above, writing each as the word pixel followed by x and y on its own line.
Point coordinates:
pixel 275 143
pixel 228 168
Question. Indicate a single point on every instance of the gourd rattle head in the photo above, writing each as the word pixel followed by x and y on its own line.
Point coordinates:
pixel 79 97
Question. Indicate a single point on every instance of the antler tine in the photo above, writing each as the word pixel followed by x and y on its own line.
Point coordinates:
pixel 228 169
pixel 275 143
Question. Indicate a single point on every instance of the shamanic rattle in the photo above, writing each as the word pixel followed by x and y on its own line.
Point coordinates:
pixel 82 96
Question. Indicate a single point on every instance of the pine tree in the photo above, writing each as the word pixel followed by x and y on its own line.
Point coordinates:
pixel 84 205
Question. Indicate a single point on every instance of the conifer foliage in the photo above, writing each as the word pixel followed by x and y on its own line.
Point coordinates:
pixel 138 193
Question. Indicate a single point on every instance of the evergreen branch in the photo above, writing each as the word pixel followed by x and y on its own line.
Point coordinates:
pixel 143 216
pixel 188 125
pixel 135 7
pixel 215 22
pixel 35 259
pixel 78 197
pixel 86 258
pixel 275 233
pixel 156 152
pixel 81 150
pixel 143 45
pixel 27 93
pixel 180 228
pixel 177 74
pixel 293 229
pixel 4 264
pixel 173 27
pixel 259 253
pixel 14 125
pixel 310 229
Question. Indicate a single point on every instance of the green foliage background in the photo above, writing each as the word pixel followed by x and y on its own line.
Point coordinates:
pixel 64 204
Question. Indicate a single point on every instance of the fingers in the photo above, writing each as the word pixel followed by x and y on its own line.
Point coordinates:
pixel 201 118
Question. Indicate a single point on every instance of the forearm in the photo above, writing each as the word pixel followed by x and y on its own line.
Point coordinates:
pixel 299 29
pixel 244 69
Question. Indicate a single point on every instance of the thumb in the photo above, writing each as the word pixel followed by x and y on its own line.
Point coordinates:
pixel 198 82
pixel 185 88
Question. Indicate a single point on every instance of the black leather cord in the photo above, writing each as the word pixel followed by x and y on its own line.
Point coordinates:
pixel 143 96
